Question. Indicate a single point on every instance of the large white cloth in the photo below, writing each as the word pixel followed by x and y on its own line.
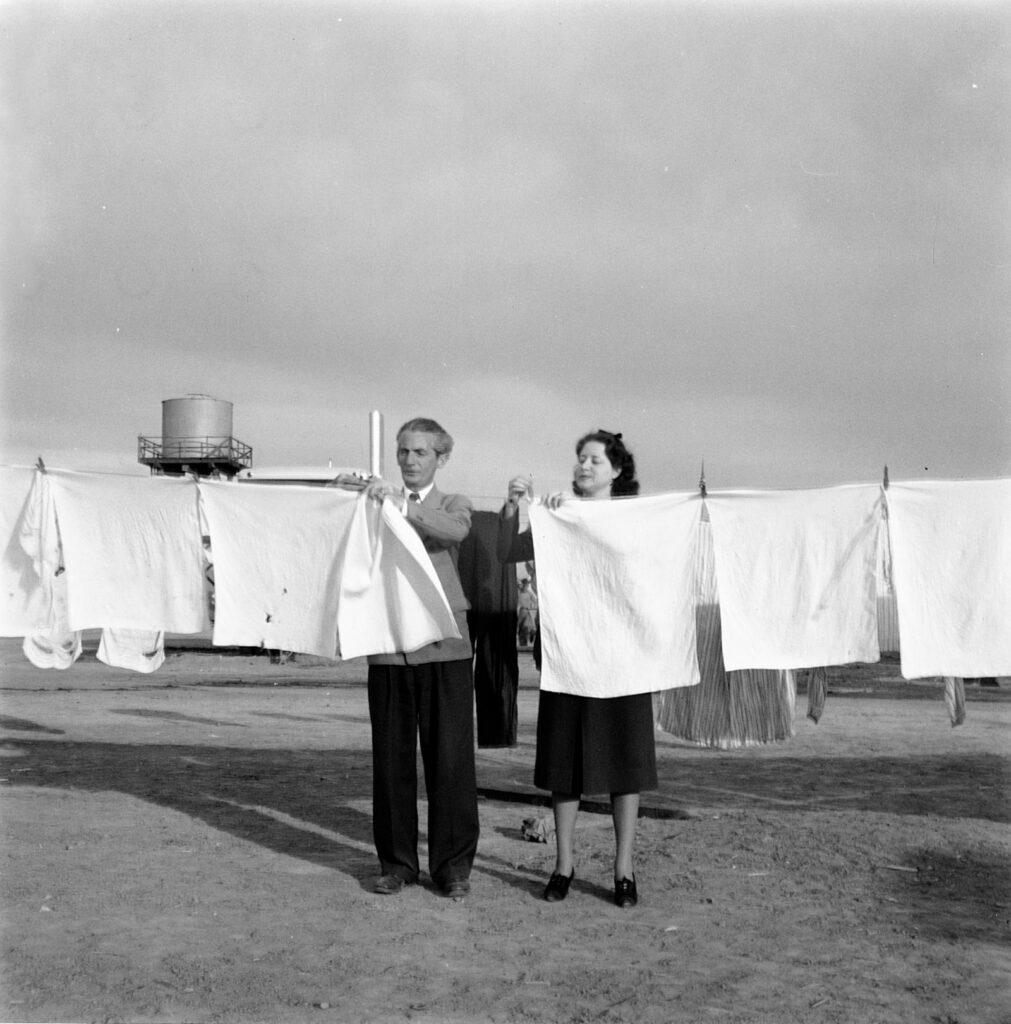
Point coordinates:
pixel 132 551
pixel 19 578
pixel 391 598
pixel 951 568
pixel 615 587
pixel 49 642
pixel 319 571
pixel 38 591
pixel 275 553
pixel 796 572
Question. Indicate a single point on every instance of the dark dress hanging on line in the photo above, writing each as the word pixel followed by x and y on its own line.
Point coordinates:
pixel 492 591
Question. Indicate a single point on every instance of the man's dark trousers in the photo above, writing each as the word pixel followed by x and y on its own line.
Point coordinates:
pixel 433 701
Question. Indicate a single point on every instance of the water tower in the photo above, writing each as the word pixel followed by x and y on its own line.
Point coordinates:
pixel 196 438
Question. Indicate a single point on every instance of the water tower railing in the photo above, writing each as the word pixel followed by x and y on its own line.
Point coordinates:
pixel 194 449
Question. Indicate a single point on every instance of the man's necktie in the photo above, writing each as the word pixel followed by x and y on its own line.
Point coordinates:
pixel 414 496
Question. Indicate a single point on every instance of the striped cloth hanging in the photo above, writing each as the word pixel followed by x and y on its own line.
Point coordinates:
pixel 726 709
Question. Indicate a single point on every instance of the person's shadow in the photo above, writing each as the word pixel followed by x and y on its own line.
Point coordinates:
pixel 299 803
pixel 296 802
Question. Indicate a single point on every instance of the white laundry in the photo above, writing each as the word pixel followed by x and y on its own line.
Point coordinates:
pixel 52 648
pixel 391 598
pixel 139 650
pixel 951 567
pixel 19 580
pixel 615 586
pixel 275 553
pixel 796 572
pixel 132 551
pixel 49 642
pixel 290 574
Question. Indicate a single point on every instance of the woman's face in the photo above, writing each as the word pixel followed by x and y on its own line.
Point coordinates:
pixel 593 472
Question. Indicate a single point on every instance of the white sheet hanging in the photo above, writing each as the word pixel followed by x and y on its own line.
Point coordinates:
pixel 290 574
pixel 275 553
pixel 132 551
pixel 49 642
pixel 615 587
pixel 951 566
pixel 19 579
pixel 796 572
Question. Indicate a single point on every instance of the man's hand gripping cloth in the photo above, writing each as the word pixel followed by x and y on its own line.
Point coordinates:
pixel 391 598
pixel 615 585
pixel 318 571
pixel 951 567
pixel 796 573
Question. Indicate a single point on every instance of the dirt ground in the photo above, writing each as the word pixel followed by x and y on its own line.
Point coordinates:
pixel 196 845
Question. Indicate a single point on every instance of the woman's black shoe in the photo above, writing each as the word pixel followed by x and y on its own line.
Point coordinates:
pixel 625 892
pixel 558 887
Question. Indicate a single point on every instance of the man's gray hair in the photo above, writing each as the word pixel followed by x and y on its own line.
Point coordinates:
pixel 442 443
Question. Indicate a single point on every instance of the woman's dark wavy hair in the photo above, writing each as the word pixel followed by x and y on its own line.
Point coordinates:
pixel 625 484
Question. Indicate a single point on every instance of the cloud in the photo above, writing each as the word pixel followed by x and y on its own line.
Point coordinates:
pixel 766 235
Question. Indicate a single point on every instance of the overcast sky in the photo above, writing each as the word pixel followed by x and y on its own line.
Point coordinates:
pixel 770 236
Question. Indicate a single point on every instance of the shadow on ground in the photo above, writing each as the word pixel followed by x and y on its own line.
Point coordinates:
pixel 952 786
pixel 294 802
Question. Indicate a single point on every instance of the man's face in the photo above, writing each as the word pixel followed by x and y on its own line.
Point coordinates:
pixel 417 459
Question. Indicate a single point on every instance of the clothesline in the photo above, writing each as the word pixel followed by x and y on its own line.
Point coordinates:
pixel 319 571
pixel 799 576
pixel 799 573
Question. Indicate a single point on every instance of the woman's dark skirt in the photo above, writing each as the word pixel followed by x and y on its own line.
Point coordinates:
pixel 595 744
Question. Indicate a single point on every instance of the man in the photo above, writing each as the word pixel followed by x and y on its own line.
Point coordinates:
pixel 428 693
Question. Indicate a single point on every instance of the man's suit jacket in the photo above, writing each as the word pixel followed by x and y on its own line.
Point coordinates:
pixel 442 521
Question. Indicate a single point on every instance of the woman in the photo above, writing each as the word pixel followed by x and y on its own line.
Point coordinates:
pixel 588 744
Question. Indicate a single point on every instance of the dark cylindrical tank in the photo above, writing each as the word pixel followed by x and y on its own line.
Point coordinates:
pixel 195 416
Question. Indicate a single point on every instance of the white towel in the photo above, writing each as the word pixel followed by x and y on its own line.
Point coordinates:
pixel 132 551
pixel 615 587
pixel 796 572
pixel 951 566
pixel 19 580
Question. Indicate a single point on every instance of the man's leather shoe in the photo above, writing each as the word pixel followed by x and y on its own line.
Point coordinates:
pixel 457 889
pixel 389 885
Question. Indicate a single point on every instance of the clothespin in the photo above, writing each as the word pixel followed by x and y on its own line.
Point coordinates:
pixel 702 479
pixel 40 465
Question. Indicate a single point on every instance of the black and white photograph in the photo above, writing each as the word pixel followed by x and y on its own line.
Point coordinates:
pixel 505 512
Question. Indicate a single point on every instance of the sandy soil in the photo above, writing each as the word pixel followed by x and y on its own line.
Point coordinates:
pixel 196 846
